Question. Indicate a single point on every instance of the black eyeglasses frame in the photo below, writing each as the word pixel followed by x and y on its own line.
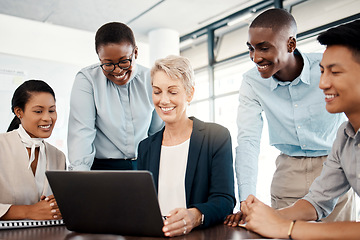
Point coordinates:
pixel 118 64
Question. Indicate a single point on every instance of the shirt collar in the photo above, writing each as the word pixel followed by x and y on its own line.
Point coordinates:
pixel 350 132
pixel 304 76
pixel 135 72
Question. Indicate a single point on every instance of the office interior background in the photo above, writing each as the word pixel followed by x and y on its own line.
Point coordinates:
pixel 53 39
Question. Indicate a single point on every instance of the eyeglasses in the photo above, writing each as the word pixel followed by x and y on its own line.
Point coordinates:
pixel 123 64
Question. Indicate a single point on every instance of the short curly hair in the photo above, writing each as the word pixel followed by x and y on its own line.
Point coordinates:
pixel 114 32
pixel 276 19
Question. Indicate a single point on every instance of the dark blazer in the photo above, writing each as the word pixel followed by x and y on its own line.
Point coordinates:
pixel 209 177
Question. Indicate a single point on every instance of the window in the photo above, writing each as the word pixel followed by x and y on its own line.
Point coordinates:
pixel 228 76
pixel 199 110
pixel 314 13
pixel 197 54
pixel 201 85
pixel 232 43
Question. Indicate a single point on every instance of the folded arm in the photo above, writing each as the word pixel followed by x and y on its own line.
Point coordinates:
pixel 272 223
pixel 45 209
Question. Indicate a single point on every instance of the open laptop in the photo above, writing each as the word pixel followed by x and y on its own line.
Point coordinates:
pixel 116 202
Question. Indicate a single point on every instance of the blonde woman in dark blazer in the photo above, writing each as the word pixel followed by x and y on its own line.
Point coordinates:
pixel 25 156
pixel 191 161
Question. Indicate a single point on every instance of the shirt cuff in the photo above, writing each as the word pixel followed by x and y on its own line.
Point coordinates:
pixel 317 208
pixel 79 168
pixel 245 190
pixel 4 208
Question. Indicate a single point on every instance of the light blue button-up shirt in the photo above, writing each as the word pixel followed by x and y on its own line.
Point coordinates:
pixel 299 124
pixel 107 120
pixel 341 171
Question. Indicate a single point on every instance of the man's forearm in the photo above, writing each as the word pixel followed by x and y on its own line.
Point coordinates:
pixel 300 210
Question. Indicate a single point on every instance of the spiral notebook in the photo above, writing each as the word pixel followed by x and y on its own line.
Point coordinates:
pixel 29 223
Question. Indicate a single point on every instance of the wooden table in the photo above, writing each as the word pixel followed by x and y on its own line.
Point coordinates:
pixel 61 233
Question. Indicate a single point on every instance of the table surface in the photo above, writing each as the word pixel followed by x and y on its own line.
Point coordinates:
pixel 61 233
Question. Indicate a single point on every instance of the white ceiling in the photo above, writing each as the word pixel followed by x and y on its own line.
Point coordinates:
pixel 142 16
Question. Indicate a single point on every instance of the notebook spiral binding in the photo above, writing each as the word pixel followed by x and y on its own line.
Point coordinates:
pixel 29 223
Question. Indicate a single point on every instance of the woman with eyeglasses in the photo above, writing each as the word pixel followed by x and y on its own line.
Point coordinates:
pixel 111 109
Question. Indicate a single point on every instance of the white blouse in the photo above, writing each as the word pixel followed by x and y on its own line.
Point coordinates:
pixel 171 186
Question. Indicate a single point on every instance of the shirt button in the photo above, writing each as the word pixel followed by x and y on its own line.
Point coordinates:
pixel 299 127
pixel 295 105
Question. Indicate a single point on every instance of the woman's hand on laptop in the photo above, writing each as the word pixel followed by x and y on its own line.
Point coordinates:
pixel 181 221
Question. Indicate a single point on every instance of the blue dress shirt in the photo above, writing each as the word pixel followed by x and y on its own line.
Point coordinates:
pixel 299 124
pixel 107 120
